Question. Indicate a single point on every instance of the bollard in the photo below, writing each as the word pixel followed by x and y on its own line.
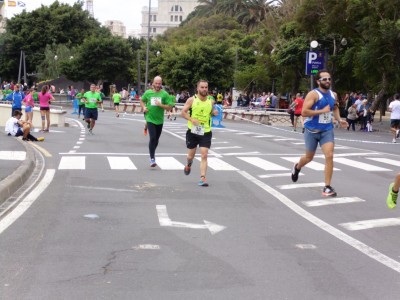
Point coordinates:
pixel 75 104
pixel 218 118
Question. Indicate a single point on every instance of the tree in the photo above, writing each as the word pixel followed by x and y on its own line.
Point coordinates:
pixel 47 25
pixel 100 58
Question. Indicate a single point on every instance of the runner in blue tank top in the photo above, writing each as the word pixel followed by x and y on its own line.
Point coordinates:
pixel 319 106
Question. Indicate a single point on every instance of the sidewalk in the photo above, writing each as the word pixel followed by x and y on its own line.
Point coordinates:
pixel 17 161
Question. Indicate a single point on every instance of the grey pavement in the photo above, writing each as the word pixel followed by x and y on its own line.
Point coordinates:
pixel 14 173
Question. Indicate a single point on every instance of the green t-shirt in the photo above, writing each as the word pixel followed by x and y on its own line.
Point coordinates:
pixel 117 98
pixel 155 114
pixel 172 100
pixel 79 97
pixel 92 99
pixel 36 96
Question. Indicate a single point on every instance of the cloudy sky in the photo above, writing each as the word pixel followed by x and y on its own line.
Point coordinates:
pixel 127 11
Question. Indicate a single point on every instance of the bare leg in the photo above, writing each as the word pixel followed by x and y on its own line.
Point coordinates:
pixel 327 149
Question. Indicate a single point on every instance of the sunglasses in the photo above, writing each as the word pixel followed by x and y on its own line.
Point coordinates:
pixel 325 79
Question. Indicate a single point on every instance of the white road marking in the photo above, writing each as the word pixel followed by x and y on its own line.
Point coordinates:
pixel 285 139
pixel 263 136
pixel 388 161
pixel 169 163
pixel 147 247
pixel 300 185
pixel 218 164
pixel 368 224
pixel 243 153
pixel 76 147
pixel 102 188
pixel 164 220
pixel 358 165
pixel 332 201
pixel 72 163
pixel 298 143
pixel 121 163
pixel 244 133
pixel 311 165
pixel 358 245
pixel 22 207
pixel 12 155
pixel 214 143
pixel 263 164
pixel 278 175
pixel 229 147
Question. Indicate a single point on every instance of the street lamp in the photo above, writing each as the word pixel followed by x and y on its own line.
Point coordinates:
pixel 314 44
pixel 147 47
pixel 55 62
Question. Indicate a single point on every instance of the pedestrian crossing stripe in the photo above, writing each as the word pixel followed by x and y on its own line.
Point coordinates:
pixel 369 224
pixel 332 201
pixel 12 155
pixel 358 165
pixel 386 161
pixel 263 164
pixel 119 162
pixel 311 165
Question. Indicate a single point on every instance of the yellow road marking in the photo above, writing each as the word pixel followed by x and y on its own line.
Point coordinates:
pixel 41 149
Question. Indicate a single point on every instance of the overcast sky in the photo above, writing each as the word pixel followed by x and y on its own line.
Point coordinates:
pixel 127 11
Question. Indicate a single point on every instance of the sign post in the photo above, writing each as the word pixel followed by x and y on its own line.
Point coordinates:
pixel 315 61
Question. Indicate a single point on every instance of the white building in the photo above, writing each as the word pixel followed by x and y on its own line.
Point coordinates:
pixel 116 27
pixel 168 14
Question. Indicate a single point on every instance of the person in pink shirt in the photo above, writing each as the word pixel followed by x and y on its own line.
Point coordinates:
pixel 44 101
pixel 29 105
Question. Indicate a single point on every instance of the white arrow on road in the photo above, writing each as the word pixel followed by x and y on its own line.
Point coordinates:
pixel 166 221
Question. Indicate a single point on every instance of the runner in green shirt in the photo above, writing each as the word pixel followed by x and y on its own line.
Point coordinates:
pixel 91 99
pixel 154 102
pixel 117 99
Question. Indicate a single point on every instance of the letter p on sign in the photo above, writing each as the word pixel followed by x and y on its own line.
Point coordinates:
pixel 312 56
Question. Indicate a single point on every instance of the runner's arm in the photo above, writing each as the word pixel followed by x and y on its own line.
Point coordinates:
pixel 311 98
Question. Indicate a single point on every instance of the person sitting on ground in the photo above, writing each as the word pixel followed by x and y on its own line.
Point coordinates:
pixel 17 127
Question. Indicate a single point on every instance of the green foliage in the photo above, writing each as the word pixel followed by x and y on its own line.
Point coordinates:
pixel 47 25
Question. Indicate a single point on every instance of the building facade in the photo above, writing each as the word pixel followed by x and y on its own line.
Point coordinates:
pixel 168 14
pixel 116 27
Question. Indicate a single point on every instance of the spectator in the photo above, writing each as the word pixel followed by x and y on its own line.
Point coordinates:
pixel 16 127
pixel 352 117
pixel 394 108
pixel 16 97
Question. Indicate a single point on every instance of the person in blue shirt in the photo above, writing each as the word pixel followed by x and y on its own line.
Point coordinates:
pixel 318 107
pixel 16 97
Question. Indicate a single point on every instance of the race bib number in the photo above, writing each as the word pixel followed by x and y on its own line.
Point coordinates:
pixel 325 118
pixel 154 99
pixel 199 130
pixel 93 100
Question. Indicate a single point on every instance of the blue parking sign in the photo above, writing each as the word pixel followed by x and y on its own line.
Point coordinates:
pixel 315 61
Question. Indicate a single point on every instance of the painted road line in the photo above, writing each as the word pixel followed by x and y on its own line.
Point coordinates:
pixel 263 136
pixel 369 224
pixel 214 143
pixel 12 155
pixel 388 161
pixel 311 165
pixel 229 147
pixel 121 163
pixel 169 163
pixel 356 244
pixel 72 163
pixel 285 139
pixel 218 164
pixel 278 175
pixel 300 185
pixel 358 165
pixel 164 220
pixel 263 164
pixel 28 201
pixel 242 153
pixel 41 149
pixel 244 133
pixel 332 201
pixel 298 143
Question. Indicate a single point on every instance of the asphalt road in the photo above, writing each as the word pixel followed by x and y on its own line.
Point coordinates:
pixel 101 224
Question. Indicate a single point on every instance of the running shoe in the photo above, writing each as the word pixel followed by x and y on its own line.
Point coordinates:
pixel 145 131
pixel 40 139
pixel 391 199
pixel 397 133
pixel 295 173
pixel 187 170
pixel 203 182
pixel 153 163
pixel 328 191
pixel 394 141
pixel 90 132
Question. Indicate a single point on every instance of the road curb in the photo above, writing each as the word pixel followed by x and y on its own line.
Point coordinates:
pixel 13 182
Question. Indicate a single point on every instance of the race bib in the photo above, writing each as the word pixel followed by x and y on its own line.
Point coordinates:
pixel 154 99
pixel 93 100
pixel 325 118
pixel 199 129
